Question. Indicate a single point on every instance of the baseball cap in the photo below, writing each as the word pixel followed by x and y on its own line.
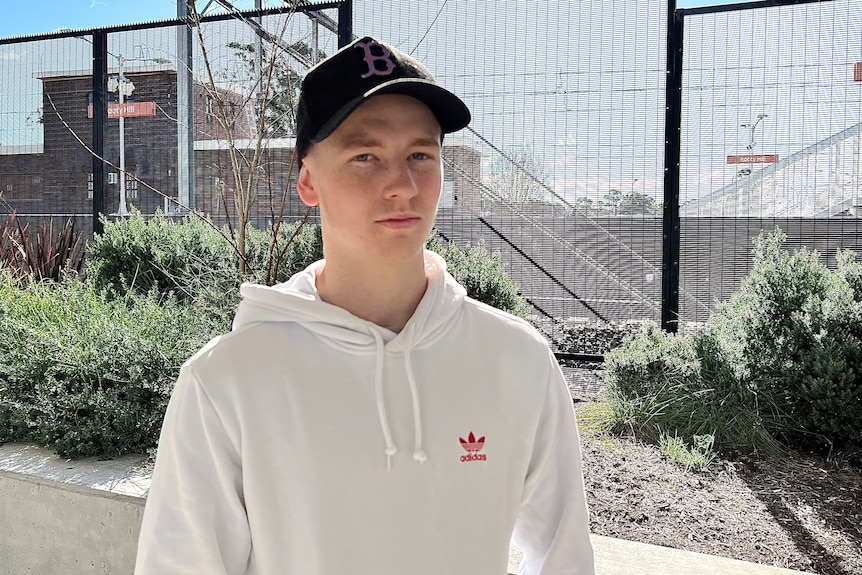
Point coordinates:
pixel 366 67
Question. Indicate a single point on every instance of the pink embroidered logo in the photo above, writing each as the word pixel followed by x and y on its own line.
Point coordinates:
pixel 372 59
pixel 472 446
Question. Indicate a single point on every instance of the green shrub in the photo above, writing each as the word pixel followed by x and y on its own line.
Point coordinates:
pixel 661 385
pixel 134 254
pixel 793 335
pixel 698 455
pixel 86 375
pixel 776 366
pixel 655 384
pixel 191 261
pixel 483 275
pixel 298 249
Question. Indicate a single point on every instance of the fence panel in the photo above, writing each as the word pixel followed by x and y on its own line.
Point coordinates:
pixel 771 137
pixel 561 169
pixel 46 123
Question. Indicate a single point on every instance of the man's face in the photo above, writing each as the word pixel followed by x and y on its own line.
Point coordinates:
pixel 377 180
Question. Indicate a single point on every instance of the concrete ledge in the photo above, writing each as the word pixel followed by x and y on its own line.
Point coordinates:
pixel 60 517
pixel 619 557
pixel 48 528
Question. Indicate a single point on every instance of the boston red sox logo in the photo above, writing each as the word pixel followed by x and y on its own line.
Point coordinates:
pixel 383 57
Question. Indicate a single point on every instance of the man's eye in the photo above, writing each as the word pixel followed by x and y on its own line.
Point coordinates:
pixel 362 157
pixel 419 156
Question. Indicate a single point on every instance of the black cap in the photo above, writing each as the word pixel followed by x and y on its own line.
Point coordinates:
pixel 335 87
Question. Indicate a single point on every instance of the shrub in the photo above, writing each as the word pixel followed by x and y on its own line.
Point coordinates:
pixel 663 385
pixel 191 261
pixel 482 274
pixel 792 334
pixel 777 365
pixel 138 255
pixel 86 375
pixel 697 455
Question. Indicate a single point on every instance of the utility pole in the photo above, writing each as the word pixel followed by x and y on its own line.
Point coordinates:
pixel 123 87
pixel 185 109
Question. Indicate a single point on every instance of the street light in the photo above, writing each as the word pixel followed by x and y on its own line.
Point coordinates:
pixel 751 143
pixel 751 128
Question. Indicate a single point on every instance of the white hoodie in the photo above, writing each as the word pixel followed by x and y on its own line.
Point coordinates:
pixel 312 442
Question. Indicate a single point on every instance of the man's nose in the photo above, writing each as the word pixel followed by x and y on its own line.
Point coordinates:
pixel 402 180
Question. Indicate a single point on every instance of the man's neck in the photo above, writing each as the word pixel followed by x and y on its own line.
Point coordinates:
pixel 385 295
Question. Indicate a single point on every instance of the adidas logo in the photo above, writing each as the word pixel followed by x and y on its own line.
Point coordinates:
pixel 472 446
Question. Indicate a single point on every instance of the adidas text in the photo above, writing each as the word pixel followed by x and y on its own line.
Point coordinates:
pixel 473 457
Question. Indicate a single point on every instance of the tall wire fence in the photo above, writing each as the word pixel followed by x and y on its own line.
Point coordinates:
pixel 772 117
pixel 562 170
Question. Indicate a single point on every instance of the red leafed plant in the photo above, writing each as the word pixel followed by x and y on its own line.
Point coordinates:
pixel 43 255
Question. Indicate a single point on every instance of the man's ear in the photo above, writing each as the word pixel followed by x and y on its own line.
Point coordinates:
pixel 305 186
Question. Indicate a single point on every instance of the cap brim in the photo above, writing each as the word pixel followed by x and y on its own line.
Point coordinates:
pixel 451 113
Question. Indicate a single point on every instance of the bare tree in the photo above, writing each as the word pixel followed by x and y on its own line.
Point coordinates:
pixel 520 175
pixel 276 89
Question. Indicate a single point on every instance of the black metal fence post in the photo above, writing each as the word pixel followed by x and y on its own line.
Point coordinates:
pixel 672 150
pixel 100 114
pixel 345 23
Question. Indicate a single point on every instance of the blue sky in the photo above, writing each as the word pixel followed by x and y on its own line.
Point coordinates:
pixel 20 18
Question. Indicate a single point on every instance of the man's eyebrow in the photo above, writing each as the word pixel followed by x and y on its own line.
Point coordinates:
pixel 360 140
pixel 363 140
pixel 433 142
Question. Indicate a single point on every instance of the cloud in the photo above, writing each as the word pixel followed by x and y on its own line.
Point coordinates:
pixel 95 3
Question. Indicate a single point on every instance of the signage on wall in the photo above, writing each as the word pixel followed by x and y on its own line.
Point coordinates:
pixel 127 110
pixel 857 72
pixel 753 159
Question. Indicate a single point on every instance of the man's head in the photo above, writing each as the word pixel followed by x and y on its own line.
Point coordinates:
pixel 334 88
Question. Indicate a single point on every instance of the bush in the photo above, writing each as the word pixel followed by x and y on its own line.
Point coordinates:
pixel 138 255
pixel 662 385
pixel 793 335
pixel 191 261
pixel 86 375
pixel 482 275
pixel 777 365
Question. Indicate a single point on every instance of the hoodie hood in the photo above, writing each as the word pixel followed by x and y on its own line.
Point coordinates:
pixel 298 300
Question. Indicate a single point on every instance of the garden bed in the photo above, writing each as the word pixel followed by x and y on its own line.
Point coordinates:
pixel 801 513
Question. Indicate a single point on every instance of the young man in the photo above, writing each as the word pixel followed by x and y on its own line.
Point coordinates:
pixel 367 416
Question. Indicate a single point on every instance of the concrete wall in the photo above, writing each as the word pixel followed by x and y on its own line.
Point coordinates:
pixel 53 528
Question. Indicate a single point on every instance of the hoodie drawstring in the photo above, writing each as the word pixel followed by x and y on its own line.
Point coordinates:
pixel 391 449
pixel 419 453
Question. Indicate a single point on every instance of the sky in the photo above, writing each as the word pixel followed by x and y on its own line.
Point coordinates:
pixel 20 18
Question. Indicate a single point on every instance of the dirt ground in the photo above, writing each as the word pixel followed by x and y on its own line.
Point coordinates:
pixel 800 514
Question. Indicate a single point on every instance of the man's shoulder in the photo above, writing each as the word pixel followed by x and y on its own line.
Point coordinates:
pixel 233 346
pixel 502 323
